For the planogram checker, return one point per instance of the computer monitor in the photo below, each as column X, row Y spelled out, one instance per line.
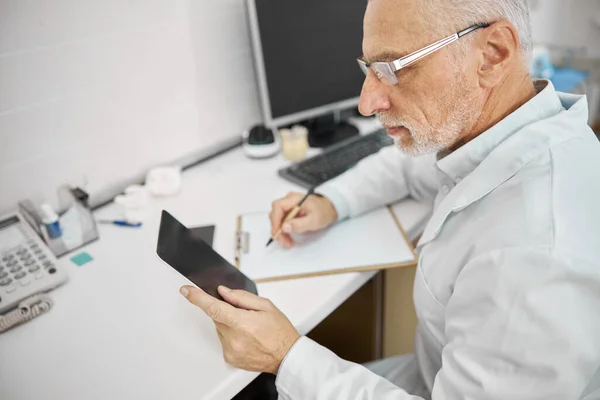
column 305, row 54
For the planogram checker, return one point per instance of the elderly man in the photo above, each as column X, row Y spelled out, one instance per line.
column 507, row 290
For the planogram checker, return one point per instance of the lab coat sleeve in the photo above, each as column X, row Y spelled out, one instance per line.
column 380, row 179
column 520, row 324
column 310, row 371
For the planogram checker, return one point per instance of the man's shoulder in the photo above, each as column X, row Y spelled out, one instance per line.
column 560, row 189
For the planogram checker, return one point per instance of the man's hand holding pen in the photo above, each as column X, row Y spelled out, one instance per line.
column 315, row 213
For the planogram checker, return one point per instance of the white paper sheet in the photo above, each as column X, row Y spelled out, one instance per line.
column 372, row 239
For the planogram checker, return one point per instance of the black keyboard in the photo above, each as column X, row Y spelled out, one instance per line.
column 335, row 160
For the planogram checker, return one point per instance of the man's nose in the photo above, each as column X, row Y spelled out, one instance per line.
column 374, row 96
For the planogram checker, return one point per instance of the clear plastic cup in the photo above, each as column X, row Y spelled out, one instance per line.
column 294, row 142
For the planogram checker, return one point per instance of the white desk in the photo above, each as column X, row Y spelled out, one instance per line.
column 121, row 330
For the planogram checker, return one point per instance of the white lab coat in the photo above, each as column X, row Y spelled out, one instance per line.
column 507, row 289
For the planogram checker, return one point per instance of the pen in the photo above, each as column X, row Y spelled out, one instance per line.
column 291, row 215
column 120, row 223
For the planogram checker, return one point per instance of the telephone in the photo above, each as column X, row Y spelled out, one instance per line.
column 27, row 266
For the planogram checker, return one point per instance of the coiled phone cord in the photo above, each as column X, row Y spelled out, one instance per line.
column 27, row 310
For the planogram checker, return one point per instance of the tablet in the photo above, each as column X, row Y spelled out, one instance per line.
column 196, row 260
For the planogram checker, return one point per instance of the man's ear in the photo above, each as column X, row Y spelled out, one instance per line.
column 499, row 46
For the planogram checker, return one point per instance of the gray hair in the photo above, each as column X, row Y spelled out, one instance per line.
column 460, row 14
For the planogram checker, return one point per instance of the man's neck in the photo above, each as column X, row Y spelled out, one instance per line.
column 502, row 101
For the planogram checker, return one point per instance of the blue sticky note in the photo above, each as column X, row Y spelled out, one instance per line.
column 81, row 259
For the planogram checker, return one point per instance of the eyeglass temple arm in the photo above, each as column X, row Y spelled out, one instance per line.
column 417, row 55
column 472, row 28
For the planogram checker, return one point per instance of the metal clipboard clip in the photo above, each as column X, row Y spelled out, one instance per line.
column 242, row 245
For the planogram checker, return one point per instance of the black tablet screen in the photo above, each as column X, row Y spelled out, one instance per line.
column 196, row 260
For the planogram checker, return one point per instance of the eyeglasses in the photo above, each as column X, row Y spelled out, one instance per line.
column 386, row 71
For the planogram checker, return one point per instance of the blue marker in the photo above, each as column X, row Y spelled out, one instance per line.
column 120, row 223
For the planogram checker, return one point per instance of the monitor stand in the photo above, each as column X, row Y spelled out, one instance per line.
column 325, row 131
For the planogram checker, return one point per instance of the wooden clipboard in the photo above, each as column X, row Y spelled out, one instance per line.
column 242, row 246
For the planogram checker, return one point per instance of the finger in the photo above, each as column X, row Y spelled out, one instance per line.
column 244, row 299
column 300, row 225
column 284, row 237
column 217, row 310
column 280, row 208
column 286, row 241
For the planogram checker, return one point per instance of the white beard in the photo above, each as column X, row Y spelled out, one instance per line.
column 435, row 138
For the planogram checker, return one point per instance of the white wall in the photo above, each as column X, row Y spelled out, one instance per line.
column 97, row 91
column 567, row 23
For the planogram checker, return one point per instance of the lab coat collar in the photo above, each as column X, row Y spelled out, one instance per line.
column 464, row 160
column 496, row 155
